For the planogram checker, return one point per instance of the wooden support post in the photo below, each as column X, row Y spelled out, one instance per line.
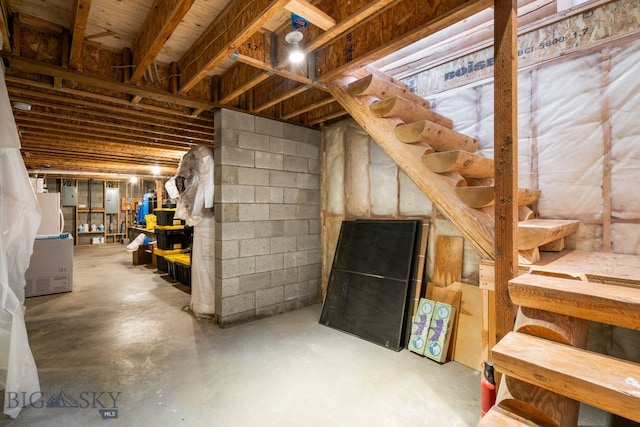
column 506, row 161
column 126, row 62
column 159, row 193
column 174, row 83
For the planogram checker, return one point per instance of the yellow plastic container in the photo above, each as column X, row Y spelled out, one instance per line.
column 151, row 221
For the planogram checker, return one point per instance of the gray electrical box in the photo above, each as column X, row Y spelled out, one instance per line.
column 68, row 195
column 111, row 206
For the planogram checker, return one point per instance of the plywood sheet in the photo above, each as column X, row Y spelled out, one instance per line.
column 448, row 260
column 467, row 333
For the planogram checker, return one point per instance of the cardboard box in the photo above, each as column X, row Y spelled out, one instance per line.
column 420, row 326
column 440, row 332
column 143, row 255
column 50, row 268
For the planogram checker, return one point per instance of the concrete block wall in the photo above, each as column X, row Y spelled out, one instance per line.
column 267, row 207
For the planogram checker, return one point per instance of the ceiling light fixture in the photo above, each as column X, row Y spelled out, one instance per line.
column 296, row 54
column 155, row 170
column 22, row 106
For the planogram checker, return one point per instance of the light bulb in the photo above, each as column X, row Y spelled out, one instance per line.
column 296, row 55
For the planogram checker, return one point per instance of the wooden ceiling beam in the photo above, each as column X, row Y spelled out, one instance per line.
column 84, row 154
column 411, row 21
column 297, row 75
column 38, row 162
column 80, row 19
column 278, row 99
column 79, row 111
column 33, row 66
column 163, row 18
column 239, row 79
column 4, row 26
column 311, row 13
column 31, row 142
column 26, row 126
column 274, row 91
column 112, row 125
column 161, row 114
column 235, row 24
column 304, row 102
column 344, row 25
column 328, row 111
column 313, row 40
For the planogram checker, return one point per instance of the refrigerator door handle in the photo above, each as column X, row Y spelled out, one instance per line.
column 61, row 221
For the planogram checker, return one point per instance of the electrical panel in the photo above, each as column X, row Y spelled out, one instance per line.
column 113, row 194
column 68, row 195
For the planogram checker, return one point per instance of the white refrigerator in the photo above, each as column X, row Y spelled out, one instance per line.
column 51, row 266
column 52, row 221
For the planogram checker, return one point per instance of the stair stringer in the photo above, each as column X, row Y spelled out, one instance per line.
column 476, row 225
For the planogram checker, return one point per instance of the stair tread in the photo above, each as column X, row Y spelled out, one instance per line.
column 441, row 138
column 501, row 417
column 467, row 164
column 602, row 381
column 605, row 303
column 482, row 196
column 537, row 232
column 408, row 110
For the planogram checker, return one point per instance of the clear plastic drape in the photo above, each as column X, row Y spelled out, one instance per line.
column 19, row 220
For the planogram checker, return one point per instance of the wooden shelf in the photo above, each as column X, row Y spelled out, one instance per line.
column 89, row 210
column 91, row 232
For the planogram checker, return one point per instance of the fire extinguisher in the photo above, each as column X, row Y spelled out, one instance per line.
column 487, row 389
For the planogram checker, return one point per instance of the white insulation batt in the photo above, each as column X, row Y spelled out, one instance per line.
column 357, row 171
column 578, row 118
column 564, row 111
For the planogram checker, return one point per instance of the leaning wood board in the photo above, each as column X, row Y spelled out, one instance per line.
column 467, row 335
column 420, row 262
column 447, row 267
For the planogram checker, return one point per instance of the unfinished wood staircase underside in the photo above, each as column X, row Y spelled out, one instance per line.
column 443, row 163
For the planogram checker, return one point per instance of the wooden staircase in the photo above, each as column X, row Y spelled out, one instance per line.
column 443, row 163
column 546, row 370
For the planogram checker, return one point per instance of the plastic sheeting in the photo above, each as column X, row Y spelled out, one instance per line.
column 19, row 220
column 194, row 182
column 203, row 269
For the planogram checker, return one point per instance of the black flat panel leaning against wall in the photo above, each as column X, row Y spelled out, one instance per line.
column 370, row 281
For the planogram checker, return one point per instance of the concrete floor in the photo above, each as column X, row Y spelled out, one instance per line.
column 124, row 329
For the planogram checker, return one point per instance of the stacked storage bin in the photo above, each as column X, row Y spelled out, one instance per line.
column 174, row 240
column 179, row 267
column 162, row 254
